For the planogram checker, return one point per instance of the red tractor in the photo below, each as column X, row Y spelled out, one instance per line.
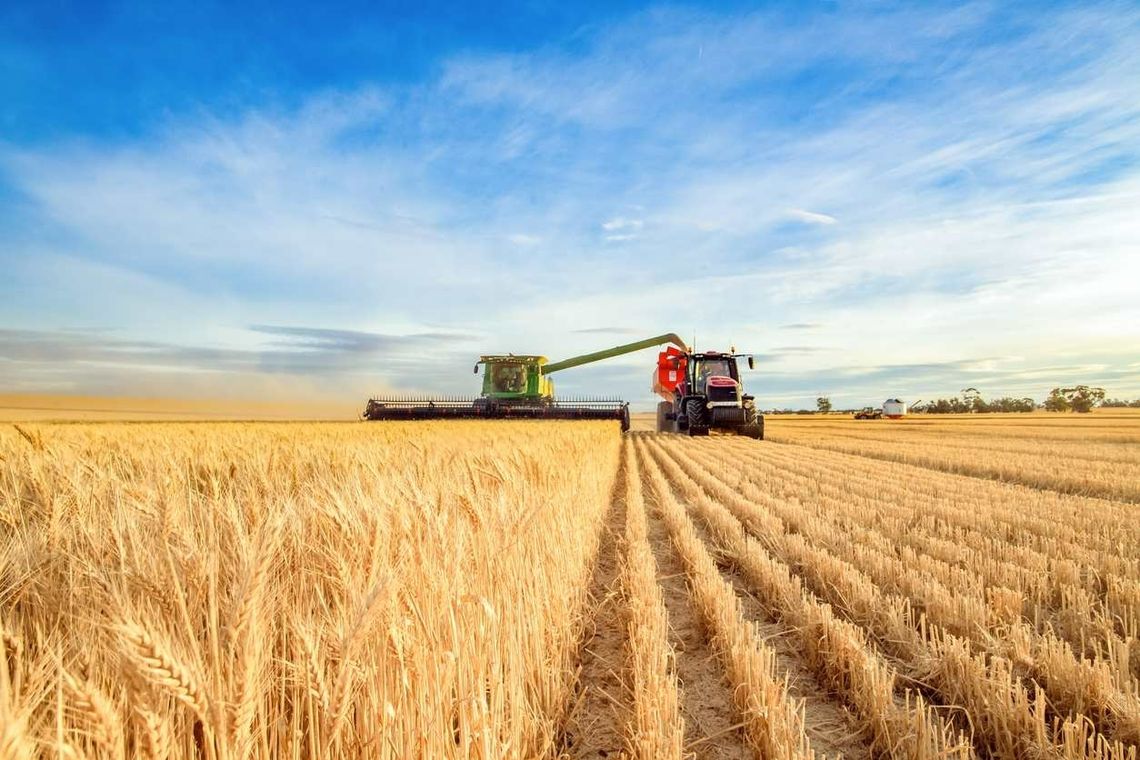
column 703, row 392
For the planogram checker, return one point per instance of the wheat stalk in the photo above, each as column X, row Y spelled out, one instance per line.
column 247, row 644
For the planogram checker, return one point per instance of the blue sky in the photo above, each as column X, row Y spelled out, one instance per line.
column 299, row 201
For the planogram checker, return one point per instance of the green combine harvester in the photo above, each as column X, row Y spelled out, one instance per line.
column 518, row 386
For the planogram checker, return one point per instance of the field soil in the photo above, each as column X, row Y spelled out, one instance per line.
column 600, row 709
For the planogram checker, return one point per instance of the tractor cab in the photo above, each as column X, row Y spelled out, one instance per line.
column 715, row 376
column 713, row 364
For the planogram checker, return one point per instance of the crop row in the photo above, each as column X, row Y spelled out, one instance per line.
column 1010, row 716
column 1077, row 591
column 1107, row 470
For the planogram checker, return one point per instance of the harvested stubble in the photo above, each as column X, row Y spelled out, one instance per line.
column 657, row 731
column 773, row 722
column 1010, row 716
column 1046, row 540
column 837, row 650
column 235, row 591
column 1092, row 455
column 1043, row 559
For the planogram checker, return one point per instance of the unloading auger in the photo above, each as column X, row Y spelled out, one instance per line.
column 519, row 386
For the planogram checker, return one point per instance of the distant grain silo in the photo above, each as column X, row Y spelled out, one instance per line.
column 894, row 408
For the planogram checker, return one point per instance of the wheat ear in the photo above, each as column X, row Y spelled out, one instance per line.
column 157, row 665
column 157, row 733
column 87, row 699
column 247, row 644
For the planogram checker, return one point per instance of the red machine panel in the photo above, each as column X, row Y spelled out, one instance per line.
column 671, row 364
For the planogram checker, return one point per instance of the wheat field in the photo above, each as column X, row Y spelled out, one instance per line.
column 559, row 590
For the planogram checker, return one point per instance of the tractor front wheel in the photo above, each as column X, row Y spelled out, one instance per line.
column 698, row 416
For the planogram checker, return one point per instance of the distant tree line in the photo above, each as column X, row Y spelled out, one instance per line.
column 1120, row 403
column 977, row 405
column 1078, row 398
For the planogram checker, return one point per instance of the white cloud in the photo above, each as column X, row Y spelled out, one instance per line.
column 811, row 217
column 519, row 238
column 621, row 223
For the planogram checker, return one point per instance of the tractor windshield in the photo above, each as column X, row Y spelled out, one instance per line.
column 508, row 378
column 707, row 368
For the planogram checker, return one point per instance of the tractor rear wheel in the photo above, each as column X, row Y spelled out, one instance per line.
column 698, row 416
column 754, row 429
column 664, row 424
column 753, row 426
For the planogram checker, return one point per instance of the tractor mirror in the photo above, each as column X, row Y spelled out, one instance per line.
column 476, row 370
column 751, row 363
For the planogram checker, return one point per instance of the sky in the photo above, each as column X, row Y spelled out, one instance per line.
column 334, row 200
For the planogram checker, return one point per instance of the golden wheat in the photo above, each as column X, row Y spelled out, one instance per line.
column 347, row 590
column 298, row 590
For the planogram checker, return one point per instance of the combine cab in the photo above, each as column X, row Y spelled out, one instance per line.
column 518, row 387
column 703, row 392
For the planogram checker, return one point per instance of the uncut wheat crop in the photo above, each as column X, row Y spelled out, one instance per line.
column 526, row 589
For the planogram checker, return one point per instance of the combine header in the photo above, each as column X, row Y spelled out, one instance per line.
column 518, row 387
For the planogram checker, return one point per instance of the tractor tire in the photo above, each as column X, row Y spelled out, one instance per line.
column 754, row 430
column 697, row 415
column 664, row 424
column 753, row 426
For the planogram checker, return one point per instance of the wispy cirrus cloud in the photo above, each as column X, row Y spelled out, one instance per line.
column 811, row 217
column 351, row 341
column 42, row 359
